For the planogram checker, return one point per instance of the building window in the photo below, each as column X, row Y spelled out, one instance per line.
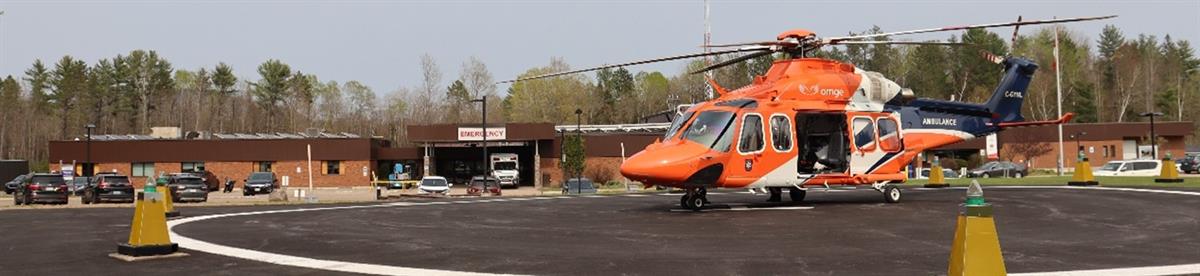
column 191, row 167
column 332, row 167
column 264, row 166
column 143, row 169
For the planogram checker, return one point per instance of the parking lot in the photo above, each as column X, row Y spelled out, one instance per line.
column 843, row 233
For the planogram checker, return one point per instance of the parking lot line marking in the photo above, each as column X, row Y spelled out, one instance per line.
column 375, row 269
column 636, row 195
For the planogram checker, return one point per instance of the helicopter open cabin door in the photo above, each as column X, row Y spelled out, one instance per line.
column 822, row 144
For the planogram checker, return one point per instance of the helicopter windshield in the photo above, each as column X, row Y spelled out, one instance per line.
column 711, row 129
column 679, row 121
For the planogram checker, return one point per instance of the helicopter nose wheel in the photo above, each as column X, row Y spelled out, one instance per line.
column 694, row 199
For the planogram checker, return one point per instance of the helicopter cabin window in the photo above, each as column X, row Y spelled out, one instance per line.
column 751, row 140
column 711, row 129
column 678, row 123
column 781, row 133
column 864, row 134
column 889, row 135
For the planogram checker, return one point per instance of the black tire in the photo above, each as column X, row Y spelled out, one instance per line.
column 891, row 194
column 86, row 198
column 28, row 199
column 684, row 201
column 696, row 202
column 797, row 195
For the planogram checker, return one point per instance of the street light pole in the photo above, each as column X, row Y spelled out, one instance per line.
column 89, row 169
column 1153, row 136
column 487, row 167
column 579, row 137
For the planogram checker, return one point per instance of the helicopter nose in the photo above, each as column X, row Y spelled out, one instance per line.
column 664, row 164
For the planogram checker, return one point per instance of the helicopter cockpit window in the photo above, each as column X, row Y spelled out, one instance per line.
column 752, row 134
column 864, row 134
column 781, row 133
column 679, row 121
column 889, row 135
column 709, row 128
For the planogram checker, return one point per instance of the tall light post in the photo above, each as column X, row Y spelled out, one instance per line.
column 579, row 137
column 487, row 168
column 88, row 168
column 1153, row 136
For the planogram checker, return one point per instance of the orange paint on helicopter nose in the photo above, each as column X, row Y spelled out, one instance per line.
column 669, row 162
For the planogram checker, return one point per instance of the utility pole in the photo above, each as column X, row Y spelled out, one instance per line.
column 708, row 60
column 1058, row 93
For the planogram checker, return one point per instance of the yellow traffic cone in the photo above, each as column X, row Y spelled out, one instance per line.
column 1169, row 173
column 937, row 179
column 148, row 236
column 976, row 249
column 168, row 203
column 1083, row 174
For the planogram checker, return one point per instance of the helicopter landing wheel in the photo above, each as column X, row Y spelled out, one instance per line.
column 891, row 194
column 694, row 200
column 797, row 194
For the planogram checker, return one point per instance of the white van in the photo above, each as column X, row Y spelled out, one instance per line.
column 1131, row 168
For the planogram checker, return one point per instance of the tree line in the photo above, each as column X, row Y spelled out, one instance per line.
column 129, row 93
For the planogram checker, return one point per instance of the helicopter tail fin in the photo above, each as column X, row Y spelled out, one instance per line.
column 1010, row 94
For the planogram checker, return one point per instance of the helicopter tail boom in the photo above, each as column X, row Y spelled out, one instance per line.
column 1006, row 100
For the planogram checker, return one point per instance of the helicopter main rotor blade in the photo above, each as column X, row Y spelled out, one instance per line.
column 902, row 43
column 734, row 61
column 837, row 40
column 759, row 43
column 687, row 56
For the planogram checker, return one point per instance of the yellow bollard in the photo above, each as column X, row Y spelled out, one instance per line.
column 1169, row 173
column 148, row 236
column 168, row 203
column 1083, row 174
column 937, row 179
column 976, row 249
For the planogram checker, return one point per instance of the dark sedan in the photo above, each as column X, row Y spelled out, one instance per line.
column 259, row 183
column 999, row 169
column 1190, row 163
column 188, row 188
column 11, row 186
column 108, row 187
column 479, row 185
column 42, row 187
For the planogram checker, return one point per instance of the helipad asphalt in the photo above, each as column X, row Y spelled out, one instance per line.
column 831, row 233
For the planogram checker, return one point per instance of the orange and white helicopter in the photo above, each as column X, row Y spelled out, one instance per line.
column 811, row 122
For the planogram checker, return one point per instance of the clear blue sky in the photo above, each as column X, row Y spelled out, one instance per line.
column 379, row 42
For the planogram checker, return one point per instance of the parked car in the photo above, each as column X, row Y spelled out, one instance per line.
column 480, row 184
column 999, row 169
column 259, row 183
column 108, row 187
column 948, row 173
column 42, row 187
column 1189, row 163
column 434, row 185
column 11, row 186
column 187, row 187
column 79, row 184
column 1130, row 168
column 578, row 186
